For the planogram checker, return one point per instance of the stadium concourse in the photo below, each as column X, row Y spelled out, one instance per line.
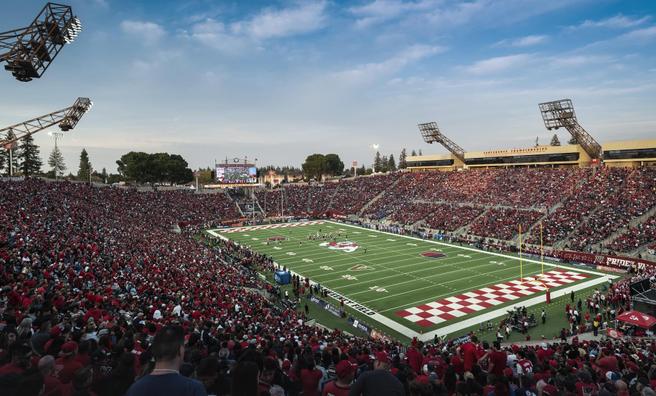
column 91, row 274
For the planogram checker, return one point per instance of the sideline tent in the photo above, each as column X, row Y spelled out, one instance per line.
column 637, row 319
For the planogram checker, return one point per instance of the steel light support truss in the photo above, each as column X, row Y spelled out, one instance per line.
column 431, row 134
column 29, row 51
column 66, row 118
column 560, row 114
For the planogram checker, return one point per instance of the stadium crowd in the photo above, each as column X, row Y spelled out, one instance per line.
column 100, row 290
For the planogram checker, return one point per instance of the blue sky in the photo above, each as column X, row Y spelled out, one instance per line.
column 281, row 80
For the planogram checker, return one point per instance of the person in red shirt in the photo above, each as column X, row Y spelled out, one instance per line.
column 20, row 360
column 498, row 360
column 52, row 386
column 67, row 364
column 342, row 385
column 544, row 353
column 310, row 376
column 607, row 361
column 524, row 366
column 468, row 351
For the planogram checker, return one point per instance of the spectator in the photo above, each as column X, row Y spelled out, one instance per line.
column 379, row 381
column 340, row 386
column 165, row 378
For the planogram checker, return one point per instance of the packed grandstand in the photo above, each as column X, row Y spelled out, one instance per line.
column 92, row 273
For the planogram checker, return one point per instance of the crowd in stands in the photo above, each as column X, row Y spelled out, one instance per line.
column 504, row 223
column 450, row 217
column 635, row 237
column 632, row 198
column 100, row 296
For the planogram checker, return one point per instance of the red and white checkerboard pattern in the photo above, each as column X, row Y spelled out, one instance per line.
column 269, row 226
column 477, row 300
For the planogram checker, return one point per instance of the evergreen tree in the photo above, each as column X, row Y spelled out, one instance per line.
column 377, row 162
column 420, row 152
column 85, row 169
column 391, row 164
column 413, row 153
column 402, row 159
column 383, row 164
column 573, row 141
column 28, row 156
column 555, row 141
column 56, row 162
column 104, row 175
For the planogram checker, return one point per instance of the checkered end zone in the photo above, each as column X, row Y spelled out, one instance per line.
column 477, row 300
column 270, row 226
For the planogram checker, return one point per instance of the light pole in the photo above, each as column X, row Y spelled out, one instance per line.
column 57, row 136
column 253, row 190
column 375, row 147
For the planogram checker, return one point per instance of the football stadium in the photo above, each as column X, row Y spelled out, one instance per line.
column 204, row 245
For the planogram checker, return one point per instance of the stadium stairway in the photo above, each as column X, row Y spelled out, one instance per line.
column 377, row 197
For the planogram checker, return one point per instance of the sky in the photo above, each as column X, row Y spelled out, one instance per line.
column 280, row 80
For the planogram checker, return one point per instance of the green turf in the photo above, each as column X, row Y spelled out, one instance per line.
column 391, row 275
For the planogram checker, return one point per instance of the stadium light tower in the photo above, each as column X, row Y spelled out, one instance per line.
column 66, row 118
column 560, row 114
column 30, row 50
column 431, row 134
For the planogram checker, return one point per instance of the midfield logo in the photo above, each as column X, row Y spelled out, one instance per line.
column 346, row 246
column 360, row 267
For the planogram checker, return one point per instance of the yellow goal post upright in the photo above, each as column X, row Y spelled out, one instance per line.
column 537, row 277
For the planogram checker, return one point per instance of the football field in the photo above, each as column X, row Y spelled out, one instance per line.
column 416, row 287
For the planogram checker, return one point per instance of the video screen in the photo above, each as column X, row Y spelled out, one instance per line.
column 236, row 174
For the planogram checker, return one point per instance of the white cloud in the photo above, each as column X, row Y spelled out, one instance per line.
column 214, row 34
column 372, row 71
column 499, row 64
column 579, row 60
column 272, row 23
column 525, row 41
column 618, row 21
column 640, row 34
column 268, row 24
column 149, row 32
column 383, row 10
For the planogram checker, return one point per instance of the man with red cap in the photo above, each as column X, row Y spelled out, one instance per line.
column 67, row 364
column 342, row 385
column 379, row 381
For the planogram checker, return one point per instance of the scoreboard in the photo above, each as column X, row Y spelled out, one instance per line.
column 236, row 173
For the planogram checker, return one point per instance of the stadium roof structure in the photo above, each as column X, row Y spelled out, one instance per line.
column 30, row 50
column 66, row 118
column 432, row 134
column 560, row 114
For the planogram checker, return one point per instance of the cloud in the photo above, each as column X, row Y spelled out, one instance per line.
column 214, row 34
column 149, row 32
column 372, row 71
column 272, row 23
column 525, row 41
column 640, row 34
column 268, row 24
column 618, row 21
column 383, row 10
column 499, row 64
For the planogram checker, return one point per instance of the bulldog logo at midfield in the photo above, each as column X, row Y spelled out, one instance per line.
column 345, row 246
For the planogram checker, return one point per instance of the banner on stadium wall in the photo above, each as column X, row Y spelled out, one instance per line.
column 327, row 306
column 359, row 325
column 606, row 260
